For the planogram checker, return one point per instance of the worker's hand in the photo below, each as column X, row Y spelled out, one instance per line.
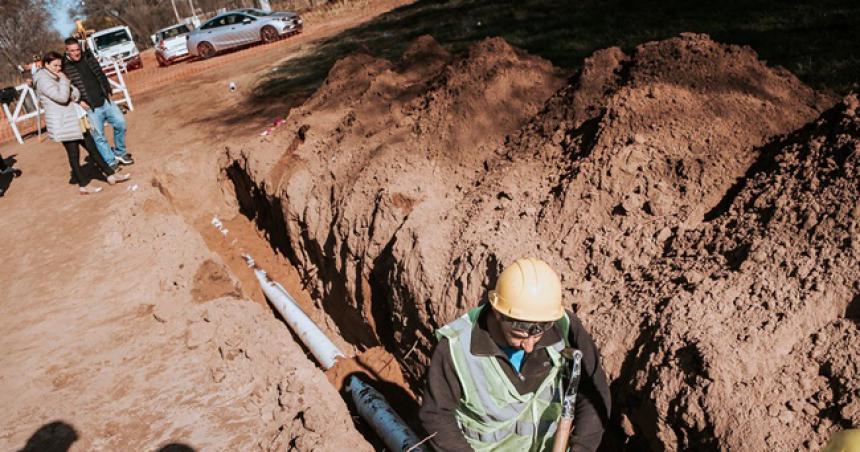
column 85, row 105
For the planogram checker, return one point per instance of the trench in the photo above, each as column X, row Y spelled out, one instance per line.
column 378, row 340
column 366, row 334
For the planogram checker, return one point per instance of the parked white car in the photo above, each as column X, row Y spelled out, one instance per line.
column 115, row 44
column 241, row 27
column 170, row 43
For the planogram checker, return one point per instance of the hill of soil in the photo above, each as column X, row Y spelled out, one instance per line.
column 403, row 187
column 751, row 337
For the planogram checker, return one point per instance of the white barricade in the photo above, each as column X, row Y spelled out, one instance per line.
column 18, row 114
column 119, row 86
column 25, row 91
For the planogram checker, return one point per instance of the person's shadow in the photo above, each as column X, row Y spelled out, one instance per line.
column 56, row 436
column 59, row 436
column 7, row 175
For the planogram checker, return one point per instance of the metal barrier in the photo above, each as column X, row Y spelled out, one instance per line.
column 25, row 91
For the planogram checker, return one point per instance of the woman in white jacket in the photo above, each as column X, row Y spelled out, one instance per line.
column 58, row 97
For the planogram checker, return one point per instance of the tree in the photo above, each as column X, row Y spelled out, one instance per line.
column 143, row 17
column 25, row 30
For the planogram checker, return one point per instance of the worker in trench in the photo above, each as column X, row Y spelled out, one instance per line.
column 495, row 375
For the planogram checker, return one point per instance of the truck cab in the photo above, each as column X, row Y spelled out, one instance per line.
column 115, row 44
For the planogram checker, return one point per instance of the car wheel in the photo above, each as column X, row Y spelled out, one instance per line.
column 205, row 50
column 161, row 61
column 269, row 34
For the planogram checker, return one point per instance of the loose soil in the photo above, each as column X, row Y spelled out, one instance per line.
column 700, row 206
column 129, row 321
column 405, row 188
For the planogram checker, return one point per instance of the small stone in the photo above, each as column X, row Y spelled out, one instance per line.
column 218, row 374
column 787, row 417
column 664, row 234
column 693, row 276
column 166, row 311
column 851, row 410
column 197, row 334
column 759, row 256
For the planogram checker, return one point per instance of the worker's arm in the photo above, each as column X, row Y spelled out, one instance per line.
column 593, row 400
column 441, row 398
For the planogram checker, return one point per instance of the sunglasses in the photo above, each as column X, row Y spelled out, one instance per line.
column 530, row 328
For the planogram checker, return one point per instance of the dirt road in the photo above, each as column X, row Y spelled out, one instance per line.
column 126, row 320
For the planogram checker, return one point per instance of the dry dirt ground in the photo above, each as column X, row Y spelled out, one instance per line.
column 700, row 205
column 128, row 321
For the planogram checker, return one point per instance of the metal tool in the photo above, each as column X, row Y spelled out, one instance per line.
column 570, row 373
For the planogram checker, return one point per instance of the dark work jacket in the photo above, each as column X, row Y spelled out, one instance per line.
column 442, row 391
column 71, row 71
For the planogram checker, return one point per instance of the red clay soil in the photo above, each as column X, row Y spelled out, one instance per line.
column 405, row 187
column 751, row 333
column 124, row 316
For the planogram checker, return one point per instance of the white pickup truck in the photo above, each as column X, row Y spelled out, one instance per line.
column 115, row 44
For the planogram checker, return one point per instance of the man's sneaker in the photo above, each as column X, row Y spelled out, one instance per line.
column 125, row 159
column 116, row 178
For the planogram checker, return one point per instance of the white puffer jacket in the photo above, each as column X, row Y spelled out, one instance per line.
column 58, row 96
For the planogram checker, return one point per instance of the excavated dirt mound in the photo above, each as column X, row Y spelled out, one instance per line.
column 381, row 143
column 404, row 187
column 747, row 344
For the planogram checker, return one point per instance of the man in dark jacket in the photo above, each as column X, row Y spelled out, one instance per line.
column 493, row 382
column 86, row 74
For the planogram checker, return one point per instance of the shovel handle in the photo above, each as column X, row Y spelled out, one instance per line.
column 562, row 434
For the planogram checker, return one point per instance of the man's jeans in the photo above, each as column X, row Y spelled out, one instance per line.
column 108, row 112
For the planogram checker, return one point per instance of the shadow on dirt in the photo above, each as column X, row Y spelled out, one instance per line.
column 59, row 436
column 815, row 40
column 56, row 436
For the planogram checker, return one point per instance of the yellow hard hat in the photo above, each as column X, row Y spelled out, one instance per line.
column 528, row 290
column 844, row 441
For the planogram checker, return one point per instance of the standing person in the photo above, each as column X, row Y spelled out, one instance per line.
column 35, row 65
column 57, row 96
column 87, row 76
column 493, row 381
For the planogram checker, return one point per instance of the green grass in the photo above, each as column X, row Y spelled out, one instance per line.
column 816, row 40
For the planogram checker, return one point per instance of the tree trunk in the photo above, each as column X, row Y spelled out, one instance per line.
column 175, row 11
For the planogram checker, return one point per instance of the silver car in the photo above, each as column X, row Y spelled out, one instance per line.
column 170, row 43
column 241, row 27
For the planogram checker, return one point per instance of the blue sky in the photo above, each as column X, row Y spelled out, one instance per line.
column 61, row 17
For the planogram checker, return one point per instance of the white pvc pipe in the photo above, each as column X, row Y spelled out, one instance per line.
column 373, row 407
column 319, row 344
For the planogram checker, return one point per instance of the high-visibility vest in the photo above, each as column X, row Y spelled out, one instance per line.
column 492, row 415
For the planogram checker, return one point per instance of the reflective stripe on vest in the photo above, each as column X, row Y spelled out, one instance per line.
column 491, row 410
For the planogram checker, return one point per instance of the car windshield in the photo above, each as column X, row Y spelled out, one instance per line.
column 256, row 12
column 111, row 39
column 174, row 32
